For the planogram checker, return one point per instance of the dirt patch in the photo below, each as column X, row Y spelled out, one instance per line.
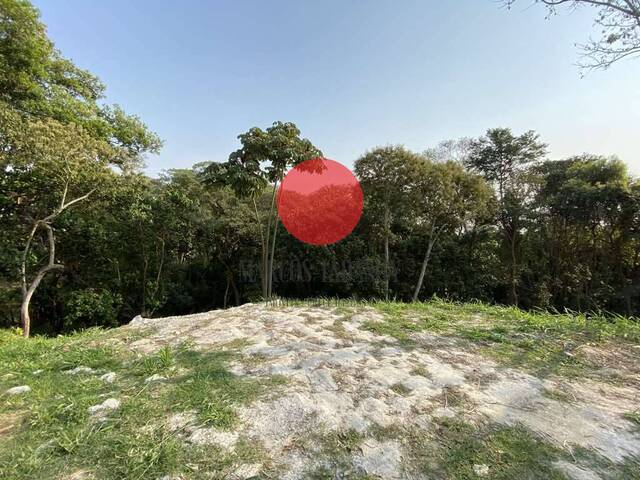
column 9, row 422
column 614, row 361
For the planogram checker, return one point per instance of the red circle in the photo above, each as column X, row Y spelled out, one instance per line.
column 320, row 201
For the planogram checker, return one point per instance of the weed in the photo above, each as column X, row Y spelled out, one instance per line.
column 400, row 389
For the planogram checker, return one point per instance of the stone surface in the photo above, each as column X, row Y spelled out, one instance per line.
column 105, row 407
column 481, row 470
column 155, row 378
column 19, row 390
column 79, row 370
column 348, row 378
column 109, row 377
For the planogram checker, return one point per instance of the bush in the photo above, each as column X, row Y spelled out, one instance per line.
column 88, row 308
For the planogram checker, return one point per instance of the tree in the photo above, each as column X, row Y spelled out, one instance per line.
column 589, row 214
column 451, row 150
column 619, row 21
column 262, row 162
column 446, row 198
column 501, row 157
column 36, row 80
column 57, row 140
column 387, row 176
column 49, row 167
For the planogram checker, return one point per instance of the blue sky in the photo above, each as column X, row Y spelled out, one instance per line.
column 352, row 74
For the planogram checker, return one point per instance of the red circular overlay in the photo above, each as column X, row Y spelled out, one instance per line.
column 320, row 201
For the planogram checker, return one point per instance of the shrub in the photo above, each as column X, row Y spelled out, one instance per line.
column 89, row 307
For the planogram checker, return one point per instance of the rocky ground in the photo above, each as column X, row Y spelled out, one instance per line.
column 396, row 391
column 342, row 377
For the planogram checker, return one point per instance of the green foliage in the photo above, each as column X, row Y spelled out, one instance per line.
column 634, row 417
column 279, row 146
column 479, row 219
column 35, row 79
column 86, row 308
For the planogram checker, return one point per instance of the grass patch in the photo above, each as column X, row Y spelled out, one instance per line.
column 400, row 389
column 629, row 469
column 338, row 329
column 456, row 447
column 540, row 342
column 557, row 395
column 49, row 432
column 334, row 453
column 422, row 371
column 453, row 397
column 633, row 417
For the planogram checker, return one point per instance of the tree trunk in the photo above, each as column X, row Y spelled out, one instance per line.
column 425, row 262
column 25, row 320
column 514, row 270
column 273, row 254
column 236, row 293
column 226, row 293
column 264, row 250
column 387, row 229
column 271, row 242
column 27, row 292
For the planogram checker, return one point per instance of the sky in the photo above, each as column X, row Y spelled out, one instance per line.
column 352, row 74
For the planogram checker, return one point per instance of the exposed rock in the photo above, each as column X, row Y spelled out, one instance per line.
column 108, row 377
column 335, row 385
column 381, row 459
column 78, row 475
column 103, row 408
column 211, row 436
column 180, row 421
column 156, row 377
column 481, row 470
column 79, row 370
column 19, row 390
column 575, row 472
column 246, row 471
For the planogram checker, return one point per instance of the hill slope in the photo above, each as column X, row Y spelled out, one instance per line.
column 388, row 391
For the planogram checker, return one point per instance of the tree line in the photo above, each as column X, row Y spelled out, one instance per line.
column 86, row 238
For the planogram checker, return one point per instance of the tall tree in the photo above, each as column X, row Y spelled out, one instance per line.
column 501, row 158
column 589, row 209
column 261, row 163
column 36, row 80
column 49, row 168
column 57, row 138
column 619, row 23
column 387, row 176
column 446, row 197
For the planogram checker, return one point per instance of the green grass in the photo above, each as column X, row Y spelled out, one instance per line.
column 454, row 447
column 634, row 417
column 334, row 455
column 48, row 432
column 508, row 452
column 629, row 469
column 540, row 342
column 400, row 389
column 338, row 329
column 557, row 395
